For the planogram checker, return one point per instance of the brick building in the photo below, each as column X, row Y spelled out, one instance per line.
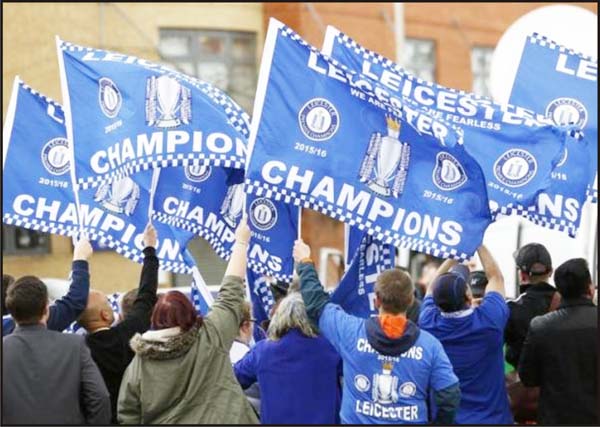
column 450, row 43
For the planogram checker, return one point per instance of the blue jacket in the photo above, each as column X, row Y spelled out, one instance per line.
column 298, row 377
column 67, row 309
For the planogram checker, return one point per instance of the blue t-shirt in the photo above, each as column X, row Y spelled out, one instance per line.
column 473, row 340
column 381, row 389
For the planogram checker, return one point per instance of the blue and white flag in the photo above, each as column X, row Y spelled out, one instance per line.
column 516, row 148
column 356, row 291
column 200, row 199
column 200, row 295
column 402, row 176
column 38, row 195
column 262, row 300
column 125, row 114
column 274, row 229
column 563, row 85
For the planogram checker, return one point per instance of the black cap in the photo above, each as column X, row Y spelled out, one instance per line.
column 449, row 291
column 533, row 259
column 478, row 281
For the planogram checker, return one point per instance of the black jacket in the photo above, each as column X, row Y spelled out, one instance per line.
column 535, row 301
column 560, row 355
column 110, row 347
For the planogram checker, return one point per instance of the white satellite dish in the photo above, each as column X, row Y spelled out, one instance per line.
column 571, row 26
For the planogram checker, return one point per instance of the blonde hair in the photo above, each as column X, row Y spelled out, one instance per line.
column 290, row 314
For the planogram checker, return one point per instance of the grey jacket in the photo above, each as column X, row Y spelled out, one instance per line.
column 50, row 378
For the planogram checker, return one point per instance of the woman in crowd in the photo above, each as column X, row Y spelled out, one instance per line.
column 181, row 373
column 297, row 370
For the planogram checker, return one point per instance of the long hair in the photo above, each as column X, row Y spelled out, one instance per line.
column 290, row 314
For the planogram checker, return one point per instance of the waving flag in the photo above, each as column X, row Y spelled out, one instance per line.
column 262, row 300
column 516, row 148
column 200, row 295
column 355, row 292
column 39, row 195
column 563, row 85
column 126, row 114
column 402, row 176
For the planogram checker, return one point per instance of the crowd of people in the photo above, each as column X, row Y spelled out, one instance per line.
column 447, row 348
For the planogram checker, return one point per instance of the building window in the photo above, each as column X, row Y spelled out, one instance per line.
column 226, row 59
column 481, row 65
column 21, row 241
column 419, row 58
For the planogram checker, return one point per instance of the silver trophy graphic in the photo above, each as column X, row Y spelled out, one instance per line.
column 231, row 209
column 120, row 196
column 168, row 103
column 385, row 165
column 385, row 386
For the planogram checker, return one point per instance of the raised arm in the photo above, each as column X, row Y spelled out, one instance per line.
column 138, row 319
column 492, row 271
column 67, row 309
column 226, row 311
column 314, row 296
column 446, row 265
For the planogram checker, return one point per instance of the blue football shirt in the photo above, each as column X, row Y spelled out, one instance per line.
column 473, row 340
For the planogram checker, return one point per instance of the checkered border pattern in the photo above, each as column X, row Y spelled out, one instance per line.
column 214, row 241
column 260, row 268
column 385, row 236
column 530, row 214
column 592, row 194
column 113, row 299
column 540, row 40
column 196, row 298
column 237, row 117
column 40, row 225
column 263, row 292
column 70, row 230
column 162, row 161
column 39, row 95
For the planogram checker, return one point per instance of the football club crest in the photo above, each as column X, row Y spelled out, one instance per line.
column 515, row 168
column 197, row 173
column 109, row 97
column 55, row 156
column 408, row 389
column 565, row 111
column 385, row 385
column 361, row 383
column 231, row 209
column 120, row 196
column 263, row 214
column 385, row 166
column 448, row 173
column 168, row 103
column 564, row 158
column 318, row 119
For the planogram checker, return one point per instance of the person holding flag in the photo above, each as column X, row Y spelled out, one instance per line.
column 391, row 367
column 108, row 344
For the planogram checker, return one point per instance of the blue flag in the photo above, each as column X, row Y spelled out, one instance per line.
column 400, row 175
column 39, row 194
column 516, row 148
column 355, row 292
column 262, row 301
column 274, row 228
column 126, row 114
column 199, row 199
column 200, row 295
column 564, row 86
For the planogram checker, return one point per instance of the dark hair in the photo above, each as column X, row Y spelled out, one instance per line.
column 246, row 313
column 7, row 280
column 26, row 300
column 174, row 309
column 573, row 278
column 127, row 301
column 395, row 291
